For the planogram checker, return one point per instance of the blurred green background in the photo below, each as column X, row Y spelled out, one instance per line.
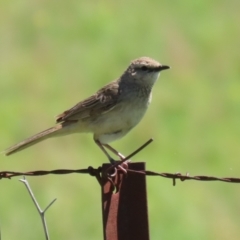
column 55, row 53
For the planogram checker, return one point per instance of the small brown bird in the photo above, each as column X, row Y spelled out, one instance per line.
column 110, row 113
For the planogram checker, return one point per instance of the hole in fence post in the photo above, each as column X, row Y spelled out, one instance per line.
column 124, row 208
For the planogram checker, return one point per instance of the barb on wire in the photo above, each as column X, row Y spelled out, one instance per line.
column 123, row 162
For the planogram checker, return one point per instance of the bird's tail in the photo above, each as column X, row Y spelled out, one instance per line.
column 50, row 132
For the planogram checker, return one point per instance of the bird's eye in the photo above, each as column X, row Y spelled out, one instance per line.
column 144, row 68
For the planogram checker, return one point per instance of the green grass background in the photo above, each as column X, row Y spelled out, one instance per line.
column 55, row 53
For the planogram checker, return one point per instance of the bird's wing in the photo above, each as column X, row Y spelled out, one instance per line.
column 101, row 102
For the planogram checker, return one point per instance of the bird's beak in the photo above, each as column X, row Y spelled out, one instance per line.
column 163, row 67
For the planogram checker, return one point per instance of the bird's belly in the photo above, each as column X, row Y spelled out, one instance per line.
column 110, row 137
column 118, row 122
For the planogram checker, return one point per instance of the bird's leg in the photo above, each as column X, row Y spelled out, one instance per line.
column 122, row 157
column 111, row 160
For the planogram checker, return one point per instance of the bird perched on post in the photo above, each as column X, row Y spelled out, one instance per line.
column 110, row 113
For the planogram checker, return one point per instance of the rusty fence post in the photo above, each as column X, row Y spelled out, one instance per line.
column 124, row 210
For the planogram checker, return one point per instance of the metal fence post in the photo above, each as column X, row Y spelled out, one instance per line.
column 124, row 209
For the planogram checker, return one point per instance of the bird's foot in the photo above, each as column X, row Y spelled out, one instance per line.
column 120, row 165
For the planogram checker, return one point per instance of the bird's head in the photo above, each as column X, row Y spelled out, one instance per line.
column 145, row 70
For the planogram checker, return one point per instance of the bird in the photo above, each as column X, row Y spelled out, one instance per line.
column 110, row 113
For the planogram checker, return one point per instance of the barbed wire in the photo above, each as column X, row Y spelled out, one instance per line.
column 113, row 169
column 97, row 172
